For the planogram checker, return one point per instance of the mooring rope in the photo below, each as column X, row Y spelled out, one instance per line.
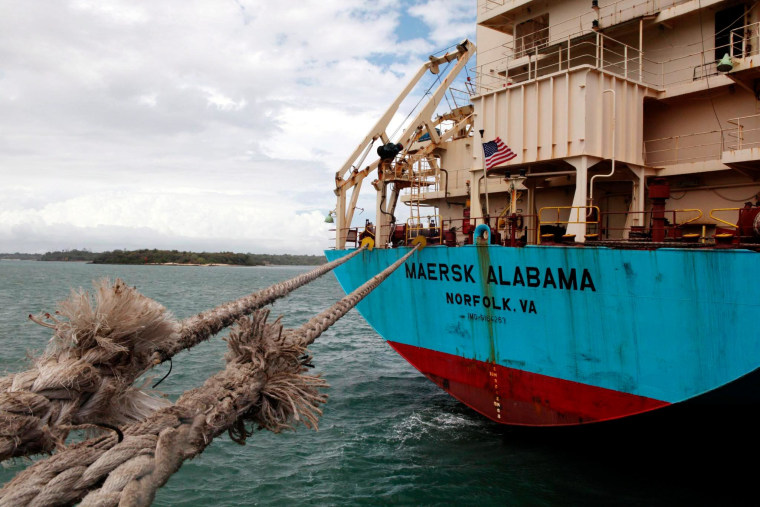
column 202, row 326
column 86, row 374
column 263, row 384
column 316, row 325
column 130, row 471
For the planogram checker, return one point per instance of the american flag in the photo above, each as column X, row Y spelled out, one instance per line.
column 497, row 153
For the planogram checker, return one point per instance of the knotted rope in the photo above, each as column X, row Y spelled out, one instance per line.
column 97, row 352
column 263, row 384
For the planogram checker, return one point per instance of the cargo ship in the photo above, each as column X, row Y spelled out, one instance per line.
column 585, row 213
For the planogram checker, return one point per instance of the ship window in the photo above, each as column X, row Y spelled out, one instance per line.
column 531, row 34
column 726, row 21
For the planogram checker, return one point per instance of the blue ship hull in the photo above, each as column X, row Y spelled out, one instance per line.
column 552, row 335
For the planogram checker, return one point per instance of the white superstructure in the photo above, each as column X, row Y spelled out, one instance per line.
column 594, row 98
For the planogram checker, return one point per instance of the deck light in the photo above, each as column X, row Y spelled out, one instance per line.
column 725, row 64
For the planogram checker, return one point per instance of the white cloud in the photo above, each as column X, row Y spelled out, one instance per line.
column 446, row 18
column 181, row 123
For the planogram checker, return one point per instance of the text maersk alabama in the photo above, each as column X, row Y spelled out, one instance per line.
column 528, row 276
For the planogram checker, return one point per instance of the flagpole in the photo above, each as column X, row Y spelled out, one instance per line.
column 485, row 178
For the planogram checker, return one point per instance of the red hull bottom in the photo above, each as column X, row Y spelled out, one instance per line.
column 512, row 396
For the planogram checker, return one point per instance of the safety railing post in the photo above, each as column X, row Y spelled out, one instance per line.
column 702, row 55
column 596, row 64
column 662, row 75
column 676, row 139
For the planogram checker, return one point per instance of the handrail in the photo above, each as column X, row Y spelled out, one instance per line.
column 485, row 6
column 564, row 53
column 697, row 149
column 684, row 135
column 745, row 137
column 734, row 121
column 571, row 48
column 699, row 211
column 590, row 211
column 501, row 219
column 415, row 228
column 748, row 31
column 577, row 208
column 735, row 226
column 611, row 13
column 352, row 234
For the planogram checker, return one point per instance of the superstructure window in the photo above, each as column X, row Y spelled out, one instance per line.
column 726, row 21
column 531, row 34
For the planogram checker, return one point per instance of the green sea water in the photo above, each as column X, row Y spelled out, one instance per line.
column 388, row 436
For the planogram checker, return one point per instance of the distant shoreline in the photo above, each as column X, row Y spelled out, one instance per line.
column 157, row 257
column 210, row 265
column 191, row 264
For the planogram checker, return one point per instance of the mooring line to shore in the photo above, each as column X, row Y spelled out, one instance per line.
column 85, row 376
column 263, row 384
column 200, row 327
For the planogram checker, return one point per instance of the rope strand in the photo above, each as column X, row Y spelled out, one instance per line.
column 97, row 352
column 264, row 384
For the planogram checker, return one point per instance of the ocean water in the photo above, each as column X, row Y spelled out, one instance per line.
column 389, row 436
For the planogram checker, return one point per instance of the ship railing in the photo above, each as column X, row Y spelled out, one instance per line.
column 744, row 134
column 514, row 230
column 694, row 147
column 722, row 221
column 541, row 53
column 458, row 231
column 542, row 57
column 614, row 225
column 428, row 179
column 607, row 15
column 742, row 230
column 550, row 41
column 352, row 235
column 429, row 227
column 402, row 170
column 700, row 63
column 550, row 217
column 502, row 221
column 488, row 5
column 614, row 13
column 705, row 70
column 743, row 41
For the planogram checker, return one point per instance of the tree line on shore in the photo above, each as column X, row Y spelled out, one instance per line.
column 156, row 256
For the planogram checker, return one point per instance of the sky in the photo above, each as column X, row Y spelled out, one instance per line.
column 205, row 125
